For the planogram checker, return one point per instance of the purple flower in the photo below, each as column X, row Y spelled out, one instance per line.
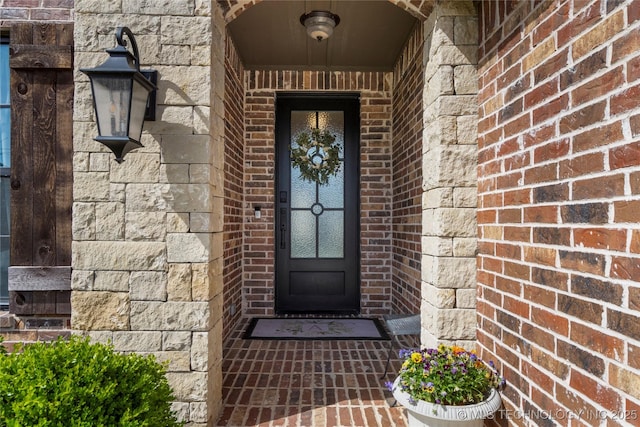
column 389, row 385
column 454, row 370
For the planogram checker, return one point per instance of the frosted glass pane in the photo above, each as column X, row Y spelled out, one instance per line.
column 331, row 235
column 303, row 234
column 331, row 194
column 301, row 121
column 333, row 121
column 303, row 193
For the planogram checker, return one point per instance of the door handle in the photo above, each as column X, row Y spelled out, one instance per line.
column 283, row 228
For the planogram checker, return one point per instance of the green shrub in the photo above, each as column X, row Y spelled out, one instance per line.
column 75, row 383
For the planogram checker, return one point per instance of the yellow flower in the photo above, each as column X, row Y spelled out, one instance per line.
column 416, row 357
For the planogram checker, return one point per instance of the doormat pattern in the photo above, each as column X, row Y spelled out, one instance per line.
column 292, row 328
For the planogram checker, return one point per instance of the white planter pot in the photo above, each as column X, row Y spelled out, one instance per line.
column 423, row 413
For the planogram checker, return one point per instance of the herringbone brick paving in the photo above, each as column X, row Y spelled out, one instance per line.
column 308, row 383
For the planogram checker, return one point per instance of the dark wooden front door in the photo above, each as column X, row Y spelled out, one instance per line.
column 317, row 226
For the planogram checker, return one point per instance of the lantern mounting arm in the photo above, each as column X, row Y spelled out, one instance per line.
column 123, row 43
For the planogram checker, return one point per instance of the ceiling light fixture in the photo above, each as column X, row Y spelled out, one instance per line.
column 319, row 24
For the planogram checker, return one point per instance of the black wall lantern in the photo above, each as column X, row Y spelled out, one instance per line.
column 123, row 97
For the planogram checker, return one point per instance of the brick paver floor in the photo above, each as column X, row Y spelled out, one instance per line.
column 308, row 383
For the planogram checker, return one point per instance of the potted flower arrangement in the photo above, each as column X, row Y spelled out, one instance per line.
column 446, row 386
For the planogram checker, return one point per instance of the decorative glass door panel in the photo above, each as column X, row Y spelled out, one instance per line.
column 317, row 205
column 317, row 209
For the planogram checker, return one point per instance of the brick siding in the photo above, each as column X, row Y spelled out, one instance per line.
column 407, row 176
column 233, row 186
column 375, row 181
column 558, row 207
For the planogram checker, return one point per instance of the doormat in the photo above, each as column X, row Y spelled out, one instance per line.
column 292, row 328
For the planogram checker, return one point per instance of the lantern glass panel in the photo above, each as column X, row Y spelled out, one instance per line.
column 138, row 106
column 112, row 103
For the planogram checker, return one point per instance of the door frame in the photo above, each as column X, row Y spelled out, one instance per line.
column 319, row 99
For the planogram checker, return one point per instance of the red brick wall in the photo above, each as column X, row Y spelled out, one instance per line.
column 233, row 187
column 407, row 176
column 559, row 207
column 375, row 182
column 35, row 10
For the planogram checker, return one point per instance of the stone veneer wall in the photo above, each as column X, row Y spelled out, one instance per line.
column 147, row 233
column 559, row 208
column 449, row 185
column 407, row 176
column 375, row 181
column 233, row 187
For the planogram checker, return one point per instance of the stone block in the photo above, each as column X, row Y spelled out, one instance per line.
column 181, row 409
column 465, row 246
column 467, row 129
column 118, row 256
column 449, row 272
column 138, row 341
column 100, row 310
column 439, row 297
column 175, row 55
column 179, row 282
column 201, row 119
column 174, row 173
column 148, row 285
column 200, row 351
column 466, row 298
column 117, row 192
column 457, row 105
column 437, row 246
column 191, row 31
column 91, row 186
column 176, row 340
column 188, row 247
column 466, row 80
column 114, row 281
column 170, row 316
column 110, row 221
column 457, row 222
column 171, row 121
column 84, row 221
column 97, row 6
column 200, row 173
column 82, row 280
column 437, row 198
column 465, row 30
column 138, row 167
column 99, row 162
column 200, row 222
column 198, row 412
column 159, row 7
column 81, row 162
column 184, row 85
column 177, row 361
column 177, row 222
column 186, row 149
column 141, row 226
column 465, row 197
column 188, row 386
column 200, row 284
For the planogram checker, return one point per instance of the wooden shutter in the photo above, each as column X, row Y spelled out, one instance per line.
column 41, row 62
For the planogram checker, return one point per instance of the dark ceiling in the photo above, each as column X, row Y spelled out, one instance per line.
column 370, row 36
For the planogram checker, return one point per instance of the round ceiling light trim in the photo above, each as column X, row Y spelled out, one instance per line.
column 319, row 23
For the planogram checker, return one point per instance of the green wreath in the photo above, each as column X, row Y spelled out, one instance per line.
column 317, row 156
